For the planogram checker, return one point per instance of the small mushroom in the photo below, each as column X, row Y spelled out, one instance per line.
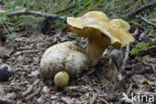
column 63, row 61
column 101, row 32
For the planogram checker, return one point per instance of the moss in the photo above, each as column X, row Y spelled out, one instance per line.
column 142, row 47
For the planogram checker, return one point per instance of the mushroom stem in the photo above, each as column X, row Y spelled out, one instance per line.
column 95, row 51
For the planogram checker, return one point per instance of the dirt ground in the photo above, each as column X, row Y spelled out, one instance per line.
column 112, row 81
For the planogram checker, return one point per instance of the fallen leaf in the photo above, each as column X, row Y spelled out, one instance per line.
column 6, row 51
column 140, row 79
column 117, row 57
column 67, row 100
column 110, row 71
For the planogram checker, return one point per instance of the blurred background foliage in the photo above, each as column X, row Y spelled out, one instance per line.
column 114, row 8
column 76, row 7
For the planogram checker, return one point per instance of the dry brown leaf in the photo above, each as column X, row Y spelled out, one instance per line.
column 140, row 79
column 6, row 51
column 67, row 100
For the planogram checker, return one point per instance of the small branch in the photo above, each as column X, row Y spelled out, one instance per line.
column 147, row 21
column 137, row 25
column 35, row 13
column 6, row 101
column 30, row 88
column 92, row 100
column 126, row 57
column 136, row 31
column 34, row 94
column 104, row 100
column 129, row 89
column 144, row 7
column 142, row 35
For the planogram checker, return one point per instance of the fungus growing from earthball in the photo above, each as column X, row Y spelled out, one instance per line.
column 101, row 32
column 63, row 61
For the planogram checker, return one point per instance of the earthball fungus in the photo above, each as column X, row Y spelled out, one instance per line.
column 101, row 32
column 63, row 61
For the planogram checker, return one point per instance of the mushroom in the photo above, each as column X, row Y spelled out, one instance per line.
column 101, row 32
column 63, row 61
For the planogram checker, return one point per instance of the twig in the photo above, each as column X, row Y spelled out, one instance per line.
column 10, row 88
column 104, row 100
column 143, row 34
column 147, row 21
column 33, row 94
column 127, row 76
column 6, row 101
column 153, row 68
column 30, row 88
column 144, row 7
column 67, row 100
column 20, row 83
column 24, row 48
column 92, row 100
column 137, row 25
column 126, row 57
column 147, row 93
column 136, row 31
column 129, row 89
column 28, row 51
column 35, row 13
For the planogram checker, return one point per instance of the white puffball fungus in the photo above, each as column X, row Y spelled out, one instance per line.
column 67, row 57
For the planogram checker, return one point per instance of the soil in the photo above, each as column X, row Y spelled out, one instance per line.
column 112, row 81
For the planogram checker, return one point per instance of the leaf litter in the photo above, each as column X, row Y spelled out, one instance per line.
column 105, row 82
column 112, row 80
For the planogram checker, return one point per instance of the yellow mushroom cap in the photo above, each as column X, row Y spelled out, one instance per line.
column 96, row 25
column 120, row 30
column 90, row 18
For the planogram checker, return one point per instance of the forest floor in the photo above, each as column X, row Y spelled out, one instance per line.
column 119, row 77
